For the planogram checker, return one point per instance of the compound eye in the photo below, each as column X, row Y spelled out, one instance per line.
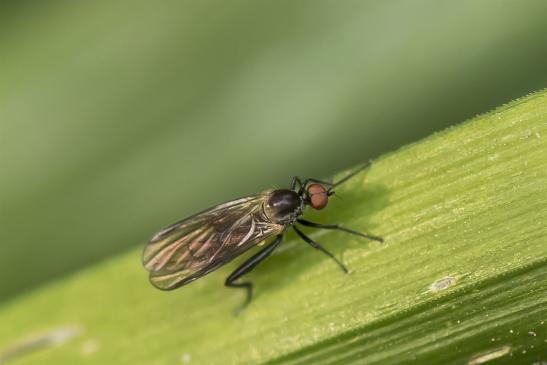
column 318, row 196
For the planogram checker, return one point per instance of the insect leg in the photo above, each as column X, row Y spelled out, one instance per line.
column 247, row 266
column 340, row 228
column 295, row 179
column 316, row 245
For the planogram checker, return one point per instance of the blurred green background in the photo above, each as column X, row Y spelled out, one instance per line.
column 119, row 117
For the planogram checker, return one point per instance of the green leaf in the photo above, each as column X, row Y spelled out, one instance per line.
column 461, row 278
column 114, row 114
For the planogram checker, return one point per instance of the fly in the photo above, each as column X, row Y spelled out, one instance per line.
column 200, row 244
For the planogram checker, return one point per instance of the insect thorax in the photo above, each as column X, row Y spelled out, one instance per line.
column 283, row 206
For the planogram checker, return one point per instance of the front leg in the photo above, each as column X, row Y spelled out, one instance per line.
column 246, row 267
column 294, row 181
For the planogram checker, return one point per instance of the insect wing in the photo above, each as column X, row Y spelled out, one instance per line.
column 193, row 247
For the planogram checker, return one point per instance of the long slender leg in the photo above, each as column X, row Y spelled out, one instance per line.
column 340, row 228
column 316, row 245
column 246, row 267
column 295, row 179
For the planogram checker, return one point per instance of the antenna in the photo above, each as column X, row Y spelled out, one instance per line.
column 347, row 177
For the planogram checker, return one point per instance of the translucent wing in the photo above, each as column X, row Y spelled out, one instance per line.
column 195, row 246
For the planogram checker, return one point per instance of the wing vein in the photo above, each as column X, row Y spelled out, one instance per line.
column 202, row 243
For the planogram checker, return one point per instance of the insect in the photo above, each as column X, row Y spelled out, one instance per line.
column 200, row 244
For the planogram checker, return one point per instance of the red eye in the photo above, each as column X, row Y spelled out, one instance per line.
column 318, row 196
